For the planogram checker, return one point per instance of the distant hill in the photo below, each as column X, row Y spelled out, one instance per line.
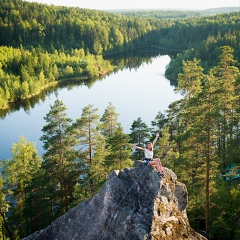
column 221, row 10
column 173, row 13
column 212, row 10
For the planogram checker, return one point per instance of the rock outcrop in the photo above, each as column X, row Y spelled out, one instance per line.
column 133, row 204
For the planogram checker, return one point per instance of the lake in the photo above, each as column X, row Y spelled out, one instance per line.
column 137, row 91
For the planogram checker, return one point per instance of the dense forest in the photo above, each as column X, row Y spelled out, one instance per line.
column 72, row 41
column 42, row 45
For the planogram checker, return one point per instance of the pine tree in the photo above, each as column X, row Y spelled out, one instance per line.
column 198, row 140
column 4, row 206
column 86, row 132
column 227, row 75
column 139, row 136
column 59, row 158
column 119, row 155
column 159, row 124
column 109, row 121
column 203, row 115
column 98, row 170
column 190, row 81
column 166, row 149
column 19, row 172
column 205, row 130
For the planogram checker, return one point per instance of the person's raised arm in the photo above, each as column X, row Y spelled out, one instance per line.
column 139, row 148
column 155, row 140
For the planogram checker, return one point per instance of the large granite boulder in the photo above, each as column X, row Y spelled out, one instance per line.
column 132, row 204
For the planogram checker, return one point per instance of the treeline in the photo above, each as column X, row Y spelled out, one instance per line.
column 175, row 14
column 191, row 32
column 160, row 14
column 100, row 32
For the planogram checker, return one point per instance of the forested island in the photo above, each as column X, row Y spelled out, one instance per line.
column 41, row 46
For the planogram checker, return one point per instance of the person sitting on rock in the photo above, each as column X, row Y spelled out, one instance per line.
column 149, row 160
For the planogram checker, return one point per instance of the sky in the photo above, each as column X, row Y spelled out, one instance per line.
column 143, row 4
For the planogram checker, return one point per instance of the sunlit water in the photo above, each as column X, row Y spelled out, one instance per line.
column 134, row 93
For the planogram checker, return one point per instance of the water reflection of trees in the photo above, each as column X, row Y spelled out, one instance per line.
column 126, row 60
column 132, row 59
column 135, row 58
column 27, row 104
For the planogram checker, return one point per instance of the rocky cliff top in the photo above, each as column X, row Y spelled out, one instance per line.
column 132, row 204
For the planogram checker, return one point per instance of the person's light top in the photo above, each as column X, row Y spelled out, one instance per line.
column 148, row 154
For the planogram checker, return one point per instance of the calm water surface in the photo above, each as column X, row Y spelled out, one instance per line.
column 141, row 92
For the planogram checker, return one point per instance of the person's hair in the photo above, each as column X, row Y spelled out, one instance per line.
column 151, row 144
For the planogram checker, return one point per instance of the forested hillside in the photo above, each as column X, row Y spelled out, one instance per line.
column 203, row 38
column 41, row 45
column 94, row 31
column 70, row 38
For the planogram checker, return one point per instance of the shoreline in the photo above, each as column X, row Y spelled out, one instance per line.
column 49, row 85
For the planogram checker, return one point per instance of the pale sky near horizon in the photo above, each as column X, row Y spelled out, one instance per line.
column 143, row 4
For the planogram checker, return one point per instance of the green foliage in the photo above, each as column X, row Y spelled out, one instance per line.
column 216, row 31
column 199, row 137
column 189, row 83
column 49, row 47
column 227, row 74
column 59, row 158
column 20, row 172
column 109, row 121
column 4, row 207
column 119, row 155
column 159, row 123
column 24, row 73
column 139, row 136
column 207, row 119
column 166, row 150
column 98, row 170
column 88, row 140
column 161, row 14
column 95, row 31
